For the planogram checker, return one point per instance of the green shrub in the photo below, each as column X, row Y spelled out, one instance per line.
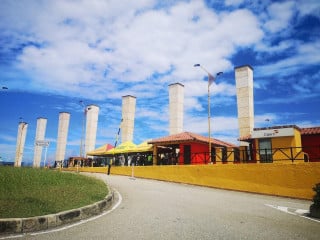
column 316, row 198
column 315, row 207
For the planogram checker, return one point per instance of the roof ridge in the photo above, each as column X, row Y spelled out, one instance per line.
column 190, row 136
column 310, row 130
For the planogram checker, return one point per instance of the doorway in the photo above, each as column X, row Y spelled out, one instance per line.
column 187, row 154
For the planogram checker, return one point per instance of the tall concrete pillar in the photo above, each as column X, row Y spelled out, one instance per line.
column 92, row 114
column 64, row 118
column 128, row 114
column 40, row 133
column 244, row 85
column 21, row 138
column 176, row 101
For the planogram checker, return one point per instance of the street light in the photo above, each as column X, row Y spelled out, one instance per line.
column 210, row 81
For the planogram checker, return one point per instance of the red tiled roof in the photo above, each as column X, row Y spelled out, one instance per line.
column 310, row 131
column 187, row 137
column 245, row 138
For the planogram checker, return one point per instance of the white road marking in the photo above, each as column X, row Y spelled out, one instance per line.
column 297, row 212
column 302, row 211
column 71, row 225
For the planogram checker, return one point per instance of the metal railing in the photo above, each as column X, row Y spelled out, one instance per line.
column 221, row 155
column 287, row 154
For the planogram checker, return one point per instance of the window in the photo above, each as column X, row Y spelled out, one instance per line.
column 265, row 150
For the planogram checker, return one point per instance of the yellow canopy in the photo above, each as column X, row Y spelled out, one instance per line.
column 102, row 150
column 142, row 147
column 122, row 148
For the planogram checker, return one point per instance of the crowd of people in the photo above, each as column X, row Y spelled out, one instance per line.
column 131, row 159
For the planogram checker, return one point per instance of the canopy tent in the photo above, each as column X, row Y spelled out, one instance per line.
column 125, row 147
column 142, row 147
column 101, row 150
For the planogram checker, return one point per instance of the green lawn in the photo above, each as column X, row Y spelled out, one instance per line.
column 28, row 192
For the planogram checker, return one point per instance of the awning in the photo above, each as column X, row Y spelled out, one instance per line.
column 125, row 147
column 142, row 147
column 101, row 150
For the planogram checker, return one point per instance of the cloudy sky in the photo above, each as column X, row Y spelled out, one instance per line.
column 54, row 54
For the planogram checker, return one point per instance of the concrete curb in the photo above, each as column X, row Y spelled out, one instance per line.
column 33, row 224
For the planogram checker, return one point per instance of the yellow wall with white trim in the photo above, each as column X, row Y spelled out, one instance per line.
column 282, row 143
column 282, row 179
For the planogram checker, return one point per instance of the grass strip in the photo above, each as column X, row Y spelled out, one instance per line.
column 29, row 192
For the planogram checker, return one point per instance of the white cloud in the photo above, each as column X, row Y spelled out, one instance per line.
column 241, row 26
column 305, row 54
column 309, row 7
column 192, row 104
column 103, row 50
column 224, row 89
column 233, row 2
column 265, row 120
column 101, row 45
column 282, row 46
column 280, row 15
column 223, row 128
column 7, row 138
column 199, row 124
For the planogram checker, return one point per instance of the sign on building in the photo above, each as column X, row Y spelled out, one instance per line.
column 275, row 132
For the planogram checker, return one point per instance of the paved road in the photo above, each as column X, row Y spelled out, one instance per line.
column 147, row 209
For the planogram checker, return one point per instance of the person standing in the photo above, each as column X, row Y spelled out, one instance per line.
column 109, row 163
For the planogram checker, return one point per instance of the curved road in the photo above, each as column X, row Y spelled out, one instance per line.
column 147, row 209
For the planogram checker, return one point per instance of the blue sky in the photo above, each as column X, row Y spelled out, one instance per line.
column 55, row 53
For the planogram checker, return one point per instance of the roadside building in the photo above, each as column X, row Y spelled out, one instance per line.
column 191, row 148
column 281, row 144
column 310, row 138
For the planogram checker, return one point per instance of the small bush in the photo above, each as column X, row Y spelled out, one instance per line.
column 315, row 207
column 316, row 198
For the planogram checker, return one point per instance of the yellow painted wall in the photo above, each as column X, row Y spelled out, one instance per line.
column 289, row 180
column 284, row 144
column 242, row 154
column 230, row 155
column 218, row 155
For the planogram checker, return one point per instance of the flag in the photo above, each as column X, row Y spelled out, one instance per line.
column 117, row 137
column 210, row 79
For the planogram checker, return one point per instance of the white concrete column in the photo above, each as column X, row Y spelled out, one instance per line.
column 40, row 133
column 92, row 114
column 21, row 138
column 64, row 118
column 176, row 108
column 128, row 115
column 244, row 85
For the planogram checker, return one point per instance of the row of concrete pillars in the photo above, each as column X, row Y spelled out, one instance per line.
column 91, row 112
column 244, row 86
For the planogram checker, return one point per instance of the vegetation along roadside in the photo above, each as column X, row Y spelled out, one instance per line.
column 28, row 192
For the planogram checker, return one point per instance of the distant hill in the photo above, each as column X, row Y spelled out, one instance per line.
column 7, row 163
column 4, row 163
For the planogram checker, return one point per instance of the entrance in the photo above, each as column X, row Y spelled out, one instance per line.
column 187, row 154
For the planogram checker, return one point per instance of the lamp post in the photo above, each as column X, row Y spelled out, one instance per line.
column 210, row 81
